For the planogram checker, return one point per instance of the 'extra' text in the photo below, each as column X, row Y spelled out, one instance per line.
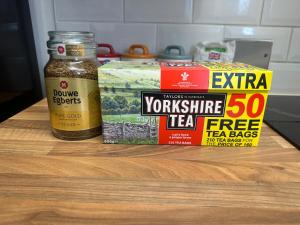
column 231, row 80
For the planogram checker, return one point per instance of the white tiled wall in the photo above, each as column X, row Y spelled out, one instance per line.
column 159, row 23
column 91, row 10
column 187, row 34
column 286, row 79
column 294, row 53
column 166, row 11
column 122, row 35
column 281, row 12
column 228, row 11
column 279, row 35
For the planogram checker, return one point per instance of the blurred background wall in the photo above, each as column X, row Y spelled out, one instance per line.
column 159, row 23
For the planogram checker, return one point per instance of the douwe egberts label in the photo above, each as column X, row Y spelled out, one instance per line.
column 73, row 103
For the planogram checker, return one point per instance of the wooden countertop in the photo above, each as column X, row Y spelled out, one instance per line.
column 44, row 180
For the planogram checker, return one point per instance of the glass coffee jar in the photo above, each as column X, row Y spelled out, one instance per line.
column 71, row 85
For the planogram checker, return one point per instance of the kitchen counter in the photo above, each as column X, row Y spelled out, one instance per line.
column 44, row 180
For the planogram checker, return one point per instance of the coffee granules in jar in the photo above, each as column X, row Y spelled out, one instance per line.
column 71, row 85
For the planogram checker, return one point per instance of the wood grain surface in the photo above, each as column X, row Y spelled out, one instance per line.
column 46, row 181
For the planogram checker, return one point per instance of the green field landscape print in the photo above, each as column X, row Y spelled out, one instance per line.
column 120, row 85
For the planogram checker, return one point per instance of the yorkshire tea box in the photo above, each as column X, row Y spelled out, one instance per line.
column 213, row 104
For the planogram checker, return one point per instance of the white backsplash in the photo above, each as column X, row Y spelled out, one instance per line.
column 281, row 13
column 187, row 35
column 294, row 51
column 159, row 23
column 90, row 10
column 279, row 35
column 228, row 11
column 158, row 11
column 121, row 36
